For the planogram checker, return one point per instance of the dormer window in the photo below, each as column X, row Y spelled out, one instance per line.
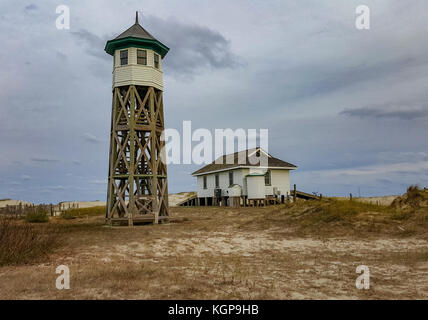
column 156, row 61
column 123, row 57
column 142, row 57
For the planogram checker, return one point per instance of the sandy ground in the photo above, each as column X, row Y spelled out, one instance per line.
column 175, row 198
column 221, row 254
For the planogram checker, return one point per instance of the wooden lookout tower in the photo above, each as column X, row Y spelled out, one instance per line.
column 137, row 181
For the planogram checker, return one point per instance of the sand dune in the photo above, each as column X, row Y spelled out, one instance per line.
column 11, row 202
column 82, row 204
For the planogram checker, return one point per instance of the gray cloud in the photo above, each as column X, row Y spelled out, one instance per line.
column 31, row 6
column 44, row 160
column 393, row 157
column 387, row 111
column 61, row 56
column 94, row 45
column 91, row 138
column 194, row 47
column 312, row 79
column 100, row 182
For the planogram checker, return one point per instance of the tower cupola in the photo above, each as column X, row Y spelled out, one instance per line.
column 137, row 57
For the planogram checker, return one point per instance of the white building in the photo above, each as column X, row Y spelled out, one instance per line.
column 221, row 180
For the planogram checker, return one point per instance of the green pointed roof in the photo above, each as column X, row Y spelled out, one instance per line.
column 136, row 36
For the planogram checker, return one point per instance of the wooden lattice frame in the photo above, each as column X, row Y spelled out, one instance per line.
column 137, row 182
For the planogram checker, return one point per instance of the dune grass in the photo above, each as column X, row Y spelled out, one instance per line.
column 22, row 243
column 333, row 210
column 40, row 215
column 83, row 212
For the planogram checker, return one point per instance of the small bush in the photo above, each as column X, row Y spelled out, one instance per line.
column 38, row 216
column 23, row 243
column 68, row 215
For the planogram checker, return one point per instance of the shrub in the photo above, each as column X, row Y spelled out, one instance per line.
column 23, row 243
column 68, row 215
column 39, row 216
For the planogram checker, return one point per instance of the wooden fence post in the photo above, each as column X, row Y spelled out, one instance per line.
column 294, row 193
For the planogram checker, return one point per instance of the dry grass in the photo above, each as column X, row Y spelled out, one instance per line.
column 22, row 243
column 84, row 212
column 307, row 250
column 38, row 216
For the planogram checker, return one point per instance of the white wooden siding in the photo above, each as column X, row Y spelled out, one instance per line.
column 280, row 178
column 256, row 187
column 209, row 192
column 137, row 74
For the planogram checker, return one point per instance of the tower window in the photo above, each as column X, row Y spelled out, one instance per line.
column 123, row 57
column 217, row 181
column 205, row 182
column 156, row 61
column 230, row 178
column 142, row 57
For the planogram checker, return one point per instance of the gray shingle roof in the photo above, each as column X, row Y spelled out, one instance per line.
column 136, row 31
column 136, row 35
column 248, row 162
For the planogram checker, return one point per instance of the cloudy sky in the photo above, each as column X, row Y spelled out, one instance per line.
column 348, row 106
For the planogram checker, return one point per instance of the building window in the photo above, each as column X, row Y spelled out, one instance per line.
column 123, row 57
column 205, row 182
column 230, row 178
column 217, row 181
column 141, row 57
column 267, row 178
column 156, row 61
